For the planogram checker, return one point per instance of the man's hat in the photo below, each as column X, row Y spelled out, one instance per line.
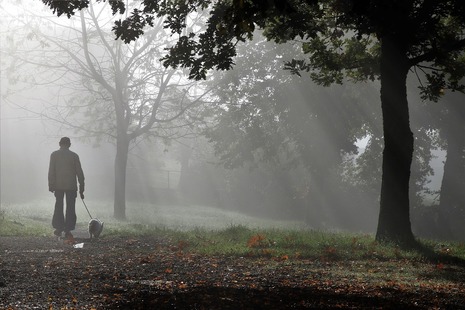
column 65, row 141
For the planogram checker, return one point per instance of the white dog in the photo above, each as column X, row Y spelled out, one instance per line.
column 95, row 228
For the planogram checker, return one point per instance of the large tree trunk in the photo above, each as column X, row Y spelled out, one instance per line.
column 394, row 216
column 121, row 160
column 452, row 199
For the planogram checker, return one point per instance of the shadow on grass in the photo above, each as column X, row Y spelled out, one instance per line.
column 435, row 257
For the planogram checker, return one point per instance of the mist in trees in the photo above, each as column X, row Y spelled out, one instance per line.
column 109, row 91
column 255, row 139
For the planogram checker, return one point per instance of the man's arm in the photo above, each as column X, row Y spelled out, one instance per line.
column 80, row 176
column 51, row 174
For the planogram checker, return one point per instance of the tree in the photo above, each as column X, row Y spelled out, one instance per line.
column 264, row 114
column 268, row 118
column 114, row 91
column 359, row 39
column 452, row 196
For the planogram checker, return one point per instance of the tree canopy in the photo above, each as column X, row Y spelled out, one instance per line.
column 337, row 35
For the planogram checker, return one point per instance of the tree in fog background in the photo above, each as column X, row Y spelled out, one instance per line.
column 105, row 89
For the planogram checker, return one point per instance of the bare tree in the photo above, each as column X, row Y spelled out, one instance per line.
column 105, row 89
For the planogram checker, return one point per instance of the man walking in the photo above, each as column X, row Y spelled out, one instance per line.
column 65, row 168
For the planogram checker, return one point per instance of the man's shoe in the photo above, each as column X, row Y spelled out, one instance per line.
column 57, row 233
column 69, row 239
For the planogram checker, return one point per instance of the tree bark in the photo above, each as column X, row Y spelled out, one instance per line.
column 394, row 216
column 452, row 198
column 121, row 160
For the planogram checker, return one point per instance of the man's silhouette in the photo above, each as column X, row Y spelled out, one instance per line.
column 63, row 173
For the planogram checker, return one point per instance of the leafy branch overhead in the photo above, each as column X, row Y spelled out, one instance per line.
column 340, row 38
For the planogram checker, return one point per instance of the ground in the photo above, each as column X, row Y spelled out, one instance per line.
column 157, row 273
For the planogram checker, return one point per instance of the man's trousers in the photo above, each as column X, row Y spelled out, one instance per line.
column 65, row 222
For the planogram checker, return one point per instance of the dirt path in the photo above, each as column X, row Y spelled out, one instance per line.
column 155, row 273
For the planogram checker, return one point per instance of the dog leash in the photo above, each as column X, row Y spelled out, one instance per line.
column 86, row 207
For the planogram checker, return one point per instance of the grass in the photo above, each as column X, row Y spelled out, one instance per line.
column 25, row 227
column 212, row 231
column 140, row 217
column 240, row 240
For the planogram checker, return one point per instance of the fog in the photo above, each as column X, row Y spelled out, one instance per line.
column 311, row 156
column 26, row 144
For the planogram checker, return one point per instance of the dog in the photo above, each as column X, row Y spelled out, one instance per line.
column 95, row 228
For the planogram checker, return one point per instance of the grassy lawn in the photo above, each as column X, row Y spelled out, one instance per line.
column 213, row 231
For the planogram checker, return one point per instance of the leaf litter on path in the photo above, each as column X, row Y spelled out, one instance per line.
column 154, row 272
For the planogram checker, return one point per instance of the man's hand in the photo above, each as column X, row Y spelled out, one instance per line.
column 81, row 191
